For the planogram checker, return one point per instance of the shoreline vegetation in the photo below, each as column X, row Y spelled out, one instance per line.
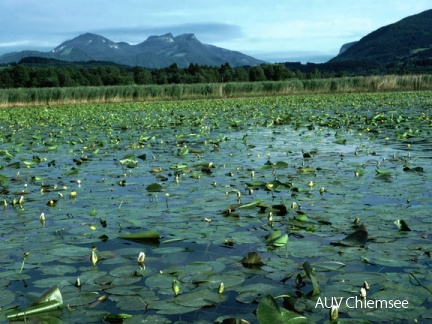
column 136, row 93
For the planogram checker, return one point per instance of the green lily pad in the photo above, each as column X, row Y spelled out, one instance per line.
column 154, row 187
column 358, row 238
column 251, row 260
column 145, row 235
column 51, row 300
column 269, row 311
column 276, row 239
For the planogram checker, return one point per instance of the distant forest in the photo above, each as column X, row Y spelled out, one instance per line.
column 42, row 72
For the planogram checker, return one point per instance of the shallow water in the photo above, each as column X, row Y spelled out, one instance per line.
column 200, row 245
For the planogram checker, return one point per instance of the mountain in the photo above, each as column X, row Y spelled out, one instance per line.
column 407, row 40
column 154, row 52
column 346, row 46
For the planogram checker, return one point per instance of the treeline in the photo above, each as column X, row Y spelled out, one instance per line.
column 35, row 72
column 28, row 75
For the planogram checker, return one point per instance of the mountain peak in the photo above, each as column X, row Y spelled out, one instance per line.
column 168, row 38
column 82, row 41
column 155, row 52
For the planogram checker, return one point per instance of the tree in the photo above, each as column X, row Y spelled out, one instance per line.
column 256, row 73
column 21, row 76
column 226, row 73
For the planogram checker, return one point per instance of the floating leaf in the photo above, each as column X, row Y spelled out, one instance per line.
column 199, row 298
column 116, row 318
column 275, row 165
column 305, row 170
column 341, row 141
column 253, row 259
column 301, row 216
column 146, row 235
column 142, row 157
column 154, row 187
column 380, row 172
column 49, row 301
column 276, row 239
column 15, row 165
column 4, row 181
column 414, row 169
column 358, row 238
column 268, row 311
column 178, row 166
column 251, row 204
column 256, row 184
column 129, row 161
column 402, row 225
column 183, row 151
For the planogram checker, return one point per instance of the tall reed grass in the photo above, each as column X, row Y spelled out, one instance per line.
column 48, row 96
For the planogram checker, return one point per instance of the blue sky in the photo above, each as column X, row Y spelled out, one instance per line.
column 272, row 30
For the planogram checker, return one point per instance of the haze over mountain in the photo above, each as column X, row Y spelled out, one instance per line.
column 154, row 52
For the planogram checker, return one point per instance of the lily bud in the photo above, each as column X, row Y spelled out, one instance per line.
column 176, row 287
column 270, row 217
column 293, row 205
column 363, row 293
column 78, row 283
column 94, row 258
column 42, row 219
column 141, row 258
column 334, row 313
column 221, row 288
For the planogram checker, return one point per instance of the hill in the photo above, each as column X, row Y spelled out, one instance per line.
column 155, row 52
column 405, row 41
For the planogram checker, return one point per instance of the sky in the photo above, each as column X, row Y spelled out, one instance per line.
column 271, row 30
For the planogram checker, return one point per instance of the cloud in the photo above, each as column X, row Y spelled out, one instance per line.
column 14, row 44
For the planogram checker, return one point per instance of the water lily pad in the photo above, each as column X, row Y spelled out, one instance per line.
column 200, row 298
column 358, row 238
column 49, row 301
column 268, row 311
column 151, row 235
column 252, row 259
column 154, row 187
column 6, row 298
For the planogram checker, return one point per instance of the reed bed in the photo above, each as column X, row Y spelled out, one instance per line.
column 55, row 96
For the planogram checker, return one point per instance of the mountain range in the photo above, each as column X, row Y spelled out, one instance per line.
column 391, row 48
column 155, row 52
